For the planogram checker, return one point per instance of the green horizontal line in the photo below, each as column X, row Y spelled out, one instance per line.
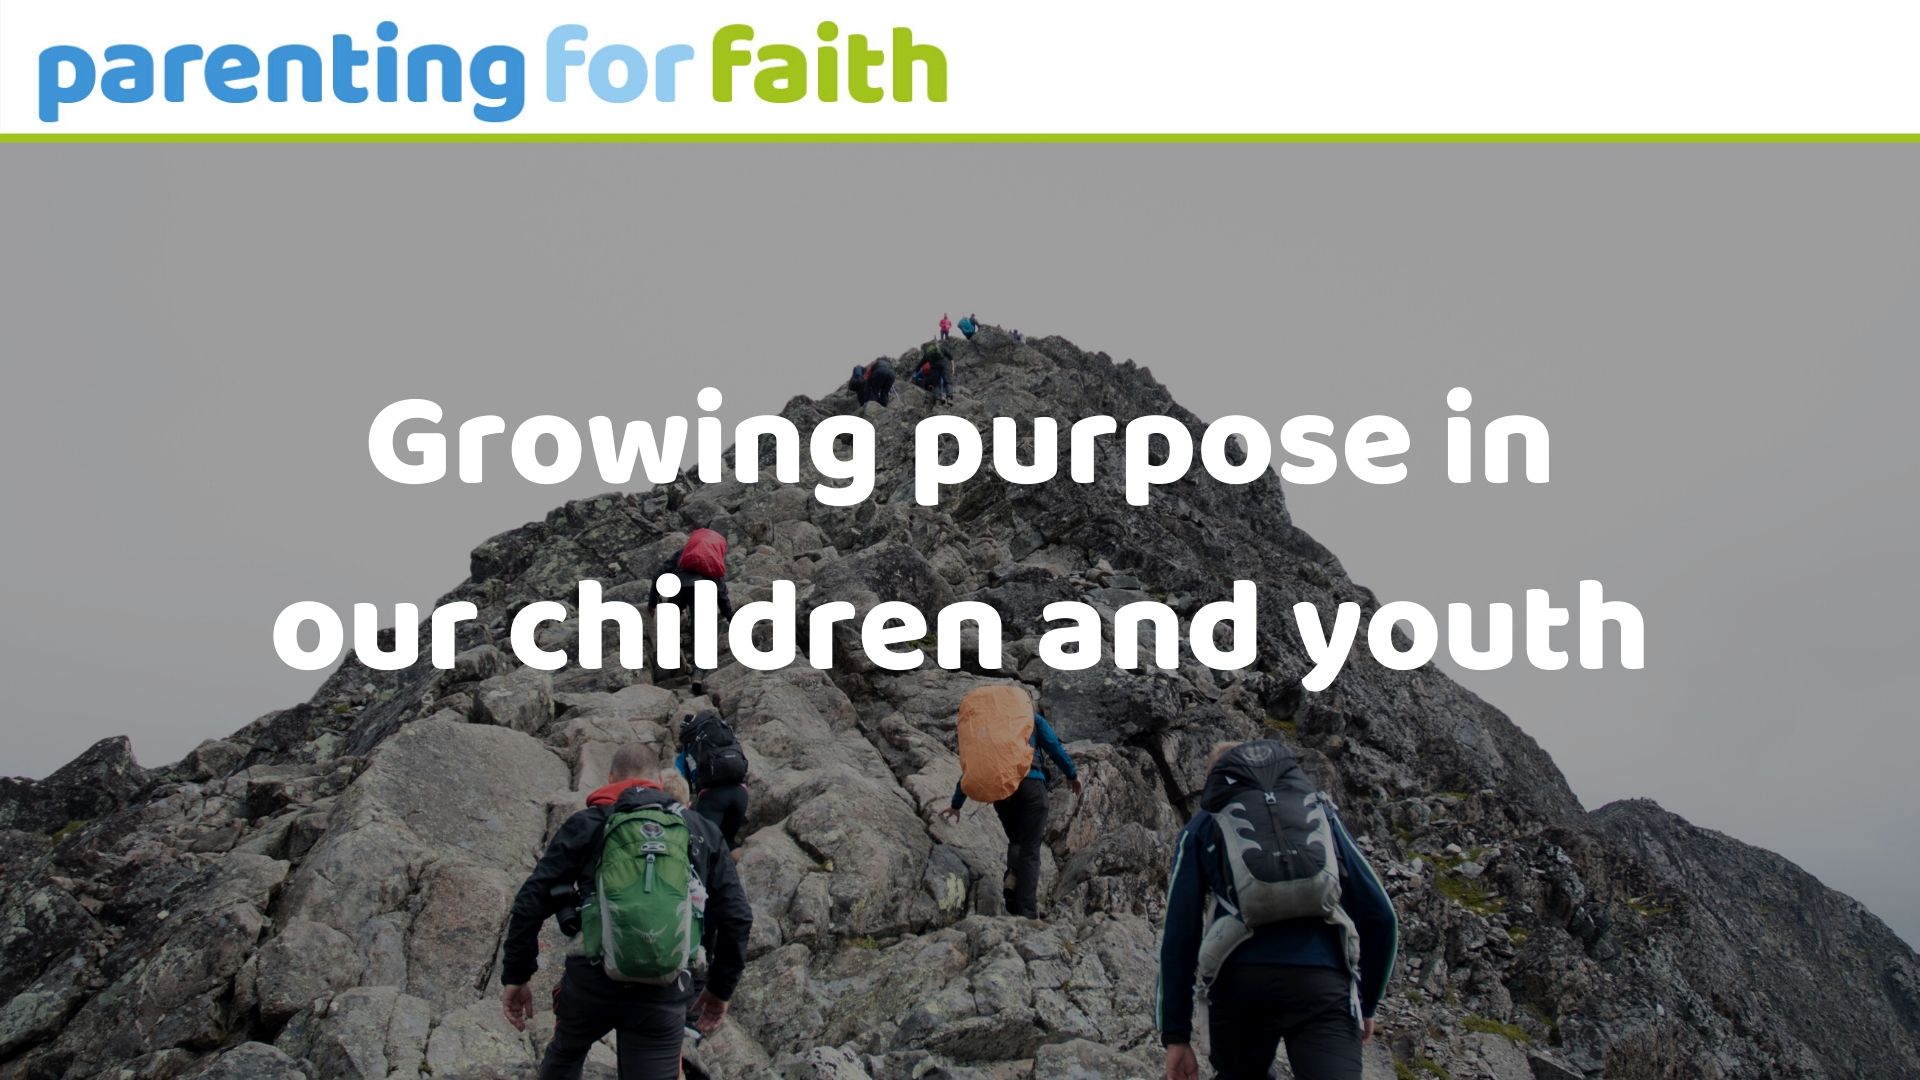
column 943, row 137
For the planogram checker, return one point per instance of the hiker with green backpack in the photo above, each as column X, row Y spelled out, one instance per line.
column 1276, row 921
column 1005, row 745
column 637, row 880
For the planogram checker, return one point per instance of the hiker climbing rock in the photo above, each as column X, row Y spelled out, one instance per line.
column 1301, row 940
column 636, row 881
column 873, row 382
column 1004, row 747
column 702, row 558
column 943, row 376
column 715, row 766
column 937, row 365
column 946, row 326
column 968, row 324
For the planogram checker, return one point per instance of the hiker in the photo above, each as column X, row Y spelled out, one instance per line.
column 946, row 325
column 941, row 382
column 1004, row 745
column 873, row 382
column 968, row 324
column 935, row 372
column 1302, row 935
column 715, row 766
column 636, row 851
column 702, row 557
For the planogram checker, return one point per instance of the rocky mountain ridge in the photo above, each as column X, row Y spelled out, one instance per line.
column 322, row 894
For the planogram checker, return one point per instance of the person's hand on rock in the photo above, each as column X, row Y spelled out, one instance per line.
column 708, row 1011
column 516, row 1002
column 1181, row 1064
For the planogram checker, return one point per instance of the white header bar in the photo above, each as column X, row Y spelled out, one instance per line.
column 1211, row 67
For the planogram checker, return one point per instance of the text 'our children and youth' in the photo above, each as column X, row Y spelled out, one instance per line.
column 409, row 442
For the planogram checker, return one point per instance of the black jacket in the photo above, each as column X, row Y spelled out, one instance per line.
column 685, row 597
column 568, row 859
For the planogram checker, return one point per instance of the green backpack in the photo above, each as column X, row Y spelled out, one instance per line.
column 640, row 922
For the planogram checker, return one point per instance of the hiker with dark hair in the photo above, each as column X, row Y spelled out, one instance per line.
column 1301, row 939
column 702, row 558
column 946, row 326
column 1005, row 745
column 968, row 324
column 873, row 382
column 715, row 766
column 637, row 882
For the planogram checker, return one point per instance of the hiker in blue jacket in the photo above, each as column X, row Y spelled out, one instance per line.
column 1023, row 815
column 1313, row 982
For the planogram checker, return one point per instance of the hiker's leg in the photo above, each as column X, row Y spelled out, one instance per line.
column 649, row 1035
column 736, row 824
column 1323, row 1040
column 581, row 1018
column 1008, row 811
column 727, row 808
column 709, row 804
column 1242, row 1026
column 1032, row 825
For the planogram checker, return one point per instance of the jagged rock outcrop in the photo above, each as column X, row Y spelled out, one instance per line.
column 322, row 894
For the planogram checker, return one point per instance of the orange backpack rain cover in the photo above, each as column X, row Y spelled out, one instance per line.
column 996, row 726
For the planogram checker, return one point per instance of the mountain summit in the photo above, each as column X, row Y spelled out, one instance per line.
column 323, row 894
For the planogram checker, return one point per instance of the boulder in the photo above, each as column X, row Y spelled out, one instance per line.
column 522, row 701
column 253, row 1061
column 304, row 963
column 96, row 783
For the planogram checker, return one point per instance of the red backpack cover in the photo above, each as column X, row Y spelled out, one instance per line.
column 705, row 553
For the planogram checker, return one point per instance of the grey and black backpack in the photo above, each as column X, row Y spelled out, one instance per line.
column 1275, row 832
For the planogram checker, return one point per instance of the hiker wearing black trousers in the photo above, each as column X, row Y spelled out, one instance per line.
column 942, row 376
column 873, row 382
column 722, row 802
column 1023, row 815
column 1288, row 981
column 688, row 572
column 650, row 1021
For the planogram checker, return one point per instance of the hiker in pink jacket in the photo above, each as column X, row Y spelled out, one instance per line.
column 946, row 326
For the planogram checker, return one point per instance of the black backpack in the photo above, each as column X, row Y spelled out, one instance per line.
column 1276, row 833
column 718, row 758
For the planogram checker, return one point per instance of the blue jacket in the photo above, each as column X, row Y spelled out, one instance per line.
column 1200, row 873
column 1049, row 743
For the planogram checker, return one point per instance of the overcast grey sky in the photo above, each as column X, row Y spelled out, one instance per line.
column 1719, row 338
